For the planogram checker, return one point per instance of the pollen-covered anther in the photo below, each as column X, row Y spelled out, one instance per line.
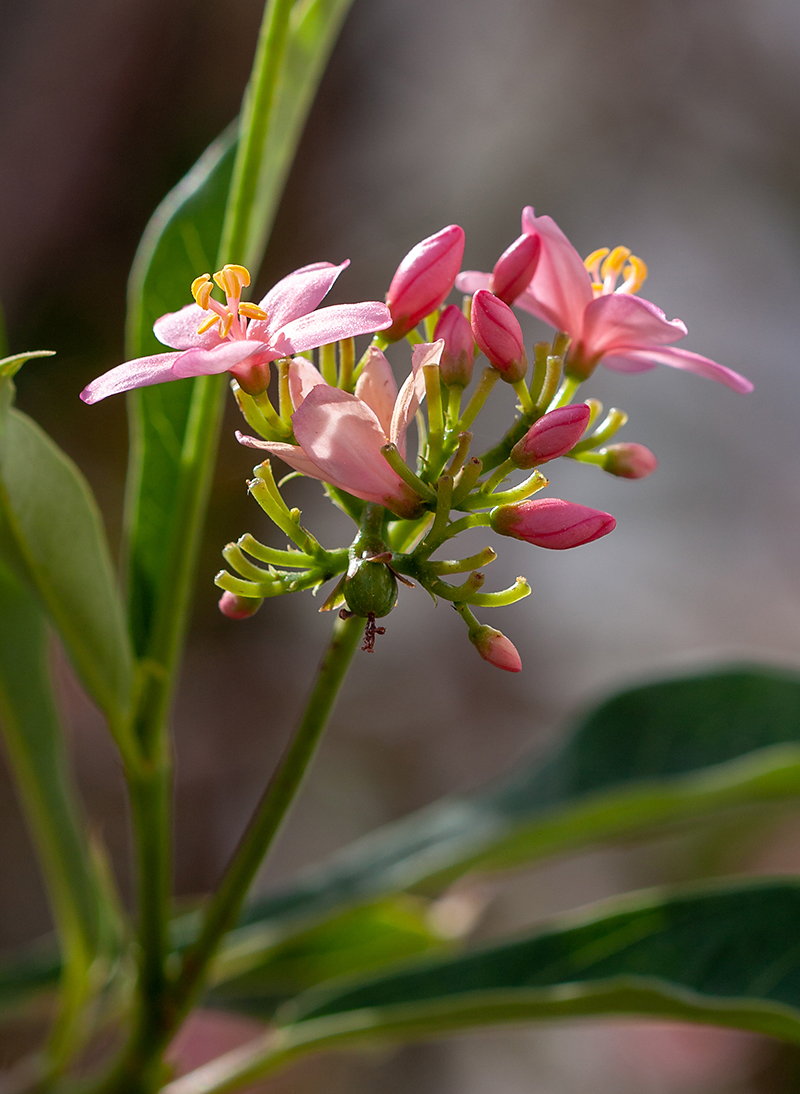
column 232, row 279
column 252, row 311
column 605, row 267
column 207, row 324
column 635, row 274
column 225, row 325
column 201, row 290
column 592, row 264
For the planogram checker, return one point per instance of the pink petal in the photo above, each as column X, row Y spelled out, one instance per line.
column 344, row 439
column 639, row 358
column 377, row 387
column 561, row 288
column 329, row 325
column 139, row 373
column 178, row 329
column 413, row 391
column 622, row 320
column 291, row 454
column 469, row 281
column 295, row 295
column 303, row 376
column 225, row 356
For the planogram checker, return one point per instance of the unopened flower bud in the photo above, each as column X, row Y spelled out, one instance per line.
column 455, row 366
column 515, row 268
column 552, row 436
column 629, row 461
column 494, row 647
column 371, row 589
column 239, row 607
column 499, row 335
column 552, row 523
column 423, row 280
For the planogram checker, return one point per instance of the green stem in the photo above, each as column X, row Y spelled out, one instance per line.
column 224, row 906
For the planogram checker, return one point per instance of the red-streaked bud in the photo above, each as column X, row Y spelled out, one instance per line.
column 455, row 366
column 499, row 335
column 423, row 280
column 494, row 647
column 239, row 607
column 515, row 268
column 552, row 523
column 552, row 436
column 629, row 461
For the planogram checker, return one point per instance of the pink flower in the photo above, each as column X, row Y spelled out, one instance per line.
column 553, row 435
column 423, row 279
column 499, row 335
column 629, row 461
column 459, row 347
column 340, row 435
column 515, row 268
column 551, row 522
column 606, row 323
column 240, row 337
column 494, row 647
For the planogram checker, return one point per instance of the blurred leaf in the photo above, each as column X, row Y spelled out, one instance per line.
column 54, row 536
column 181, row 242
column 10, row 366
column 723, row 956
column 257, row 972
column 654, row 756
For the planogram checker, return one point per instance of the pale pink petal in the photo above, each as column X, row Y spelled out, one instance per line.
column 622, row 320
column 303, row 376
column 377, row 387
column 292, row 454
column 178, row 329
column 329, row 325
column 413, row 391
column 295, row 295
column 640, row 358
column 469, row 281
column 225, row 356
column 561, row 288
column 344, row 439
column 139, row 373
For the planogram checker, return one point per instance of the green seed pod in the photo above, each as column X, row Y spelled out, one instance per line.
column 371, row 589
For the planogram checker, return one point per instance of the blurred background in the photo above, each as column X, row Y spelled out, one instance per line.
column 670, row 126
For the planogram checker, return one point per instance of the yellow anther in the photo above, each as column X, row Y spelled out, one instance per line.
column 225, row 325
column 614, row 263
column 231, row 279
column 201, row 290
column 592, row 262
column 251, row 311
column 207, row 324
column 221, row 279
column 635, row 275
column 241, row 273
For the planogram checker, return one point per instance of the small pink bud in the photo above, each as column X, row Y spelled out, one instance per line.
column 515, row 268
column 423, row 280
column 455, row 366
column 629, row 461
column 552, row 436
column 499, row 335
column 238, row 607
column 552, row 523
column 494, row 647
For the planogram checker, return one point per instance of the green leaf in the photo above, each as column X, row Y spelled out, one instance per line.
column 655, row 756
column 726, row 956
column 35, row 746
column 10, row 366
column 257, row 970
column 53, row 535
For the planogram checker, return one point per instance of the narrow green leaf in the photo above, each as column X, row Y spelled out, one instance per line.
column 10, row 366
column 656, row 756
column 54, row 535
column 726, row 956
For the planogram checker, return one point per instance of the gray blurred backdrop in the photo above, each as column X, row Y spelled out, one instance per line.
column 670, row 126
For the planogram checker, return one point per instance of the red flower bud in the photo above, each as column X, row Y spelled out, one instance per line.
column 515, row 268
column 455, row 366
column 423, row 280
column 494, row 647
column 239, row 607
column 552, row 523
column 552, row 435
column 499, row 335
column 629, row 461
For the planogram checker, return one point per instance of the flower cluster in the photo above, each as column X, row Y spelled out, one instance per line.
column 345, row 422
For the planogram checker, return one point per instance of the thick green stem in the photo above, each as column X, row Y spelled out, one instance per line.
column 224, row 906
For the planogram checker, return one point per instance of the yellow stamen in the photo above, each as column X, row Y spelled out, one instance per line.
column 225, row 325
column 221, row 279
column 201, row 290
column 207, row 324
column 231, row 279
column 635, row 275
column 614, row 263
column 241, row 273
column 251, row 311
column 592, row 262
